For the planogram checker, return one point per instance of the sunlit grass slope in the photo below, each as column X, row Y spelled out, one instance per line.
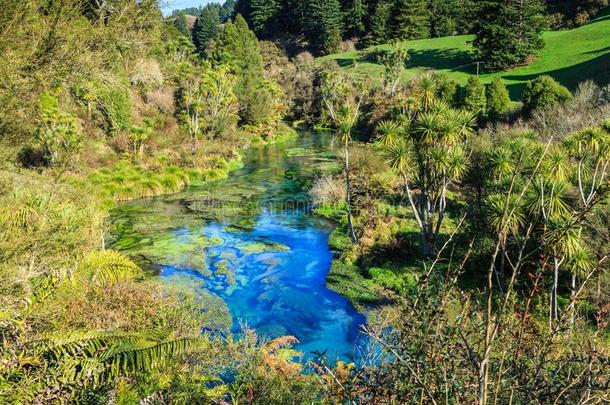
column 569, row 56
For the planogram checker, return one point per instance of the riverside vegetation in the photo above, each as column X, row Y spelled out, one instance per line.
column 471, row 229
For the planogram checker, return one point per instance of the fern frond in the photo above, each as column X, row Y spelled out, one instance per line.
column 122, row 360
column 283, row 342
column 85, row 343
column 108, row 267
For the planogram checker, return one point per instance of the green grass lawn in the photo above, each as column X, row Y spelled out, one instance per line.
column 570, row 56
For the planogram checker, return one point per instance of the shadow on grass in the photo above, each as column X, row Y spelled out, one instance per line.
column 596, row 69
column 442, row 59
column 438, row 59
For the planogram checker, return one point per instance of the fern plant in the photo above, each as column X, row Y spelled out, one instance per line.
column 107, row 267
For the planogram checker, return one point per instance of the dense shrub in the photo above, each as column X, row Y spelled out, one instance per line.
column 544, row 92
column 474, row 95
column 498, row 99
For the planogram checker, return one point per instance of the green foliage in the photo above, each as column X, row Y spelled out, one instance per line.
column 448, row 90
column 238, row 48
column 474, row 96
column 206, row 27
column 380, row 23
column 411, row 20
column 182, row 25
column 446, row 17
column 114, row 104
column 57, row 133
column 544, row 92
column 355, row 12
column 323, row 25
column 430, row 155
column 508, row 33
column 498, row 99
column 262, row 16
column 394, row 62
column 107, row 267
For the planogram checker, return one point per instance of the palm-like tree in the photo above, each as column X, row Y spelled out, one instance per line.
column 591, row 151
column 568, row 249
column 388, row 132
column 429, row 158
column 343, row 97
column 346, row 119
column 425, row 90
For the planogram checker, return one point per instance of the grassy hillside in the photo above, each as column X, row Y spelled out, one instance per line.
column 569, row 56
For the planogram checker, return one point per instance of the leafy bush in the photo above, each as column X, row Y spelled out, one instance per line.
column 56, row 133
column 498, row 99
column 544, row 92
column 474, row 95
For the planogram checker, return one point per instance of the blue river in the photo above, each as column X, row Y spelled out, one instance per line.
column 251, row 240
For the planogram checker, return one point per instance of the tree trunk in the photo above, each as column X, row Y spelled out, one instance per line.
column 572, row 293
column 553, row 313
column 348, row 199
column 427, row 247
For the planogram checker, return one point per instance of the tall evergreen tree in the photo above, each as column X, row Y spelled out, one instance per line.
column 508, row 32
column 323, row 25
column 411, row 19
column 206, row 27
column 354, row 12
column 263, row 16
column 380, row 23
column 238, row 48
column 444, row 15
column 227, row 10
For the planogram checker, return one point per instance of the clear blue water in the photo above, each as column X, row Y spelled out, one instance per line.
column 252, row 241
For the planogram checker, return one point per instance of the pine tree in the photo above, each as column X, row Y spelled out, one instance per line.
column 444, row 15
column 263, row 16
column 227, row 10
column 206, row 27
column 238, row 48
column 354, row 12
column 380, row 23
column 324, row 25
column 498, row 100
column 411, row 19
column 508, row 32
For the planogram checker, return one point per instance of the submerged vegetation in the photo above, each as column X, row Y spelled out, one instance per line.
column 472, row 230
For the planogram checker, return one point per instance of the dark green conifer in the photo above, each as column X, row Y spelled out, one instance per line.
column 508, row 32
column 324, row 25
column 206, row 27
column 380, row 23
column 263, row 17
column 411, row 19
